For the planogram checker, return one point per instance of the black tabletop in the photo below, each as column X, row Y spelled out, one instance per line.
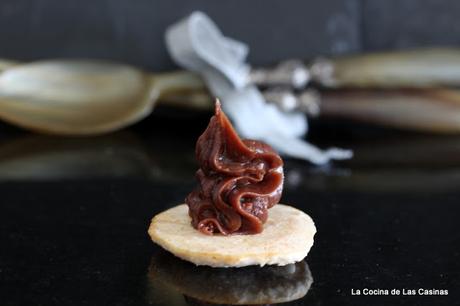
column 74, row 214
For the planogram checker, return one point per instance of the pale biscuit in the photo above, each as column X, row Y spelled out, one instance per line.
column 287, row 238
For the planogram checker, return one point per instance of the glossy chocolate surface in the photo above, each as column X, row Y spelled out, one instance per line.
column 238, row 181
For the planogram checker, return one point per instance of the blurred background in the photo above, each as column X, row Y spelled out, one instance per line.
column 74, row 208
column 133, row 33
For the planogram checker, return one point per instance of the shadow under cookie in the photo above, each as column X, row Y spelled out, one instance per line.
column 238, row 286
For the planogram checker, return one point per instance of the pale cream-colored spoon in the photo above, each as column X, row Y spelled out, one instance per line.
column 86, row 97
column 82, row 97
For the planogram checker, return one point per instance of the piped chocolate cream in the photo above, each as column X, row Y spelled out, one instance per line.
column 238, row 181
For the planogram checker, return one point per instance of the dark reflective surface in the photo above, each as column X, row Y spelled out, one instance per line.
column 225, row 286
column 74, row 214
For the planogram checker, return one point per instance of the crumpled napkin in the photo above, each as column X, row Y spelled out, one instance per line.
column 195, row 43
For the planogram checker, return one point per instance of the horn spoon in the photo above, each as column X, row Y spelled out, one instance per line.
column 83, row 97
column 78, row 97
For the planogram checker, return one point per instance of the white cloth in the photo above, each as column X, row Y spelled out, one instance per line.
column 195, row 43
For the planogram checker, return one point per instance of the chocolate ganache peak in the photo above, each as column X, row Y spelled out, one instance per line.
column 238, row 181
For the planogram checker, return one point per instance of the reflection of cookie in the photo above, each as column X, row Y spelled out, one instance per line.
column 239, row 286
column 287, row 238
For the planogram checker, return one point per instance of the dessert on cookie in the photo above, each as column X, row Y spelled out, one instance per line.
column 232, row 219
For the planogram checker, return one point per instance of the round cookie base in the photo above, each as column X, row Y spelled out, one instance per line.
column 287, row 238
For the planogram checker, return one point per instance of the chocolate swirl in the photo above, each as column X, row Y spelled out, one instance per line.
column 239, row 180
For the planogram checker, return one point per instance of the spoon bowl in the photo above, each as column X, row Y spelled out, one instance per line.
column 82, row 97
